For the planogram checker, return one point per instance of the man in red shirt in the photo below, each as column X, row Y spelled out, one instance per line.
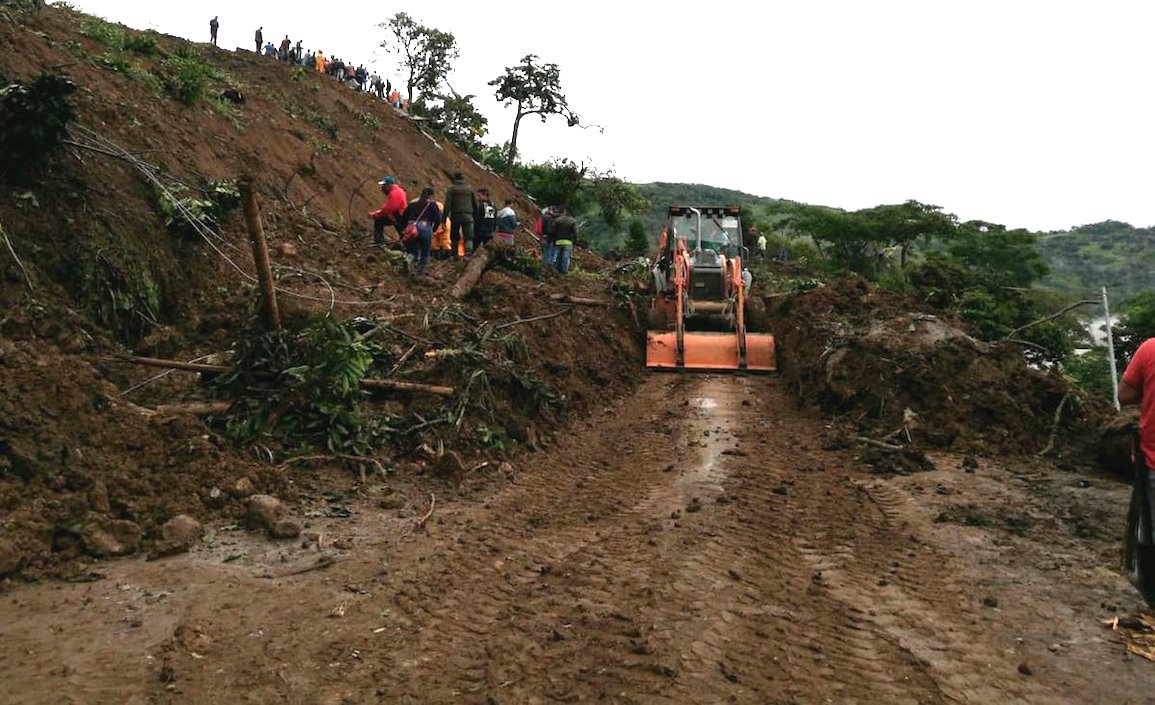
column 391, row 213
column 1138, row 387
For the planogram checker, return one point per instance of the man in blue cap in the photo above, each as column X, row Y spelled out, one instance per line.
column 391, row 213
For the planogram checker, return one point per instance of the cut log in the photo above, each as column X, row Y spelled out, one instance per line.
column 260, row 252
column 578, row 301
column 482, row 260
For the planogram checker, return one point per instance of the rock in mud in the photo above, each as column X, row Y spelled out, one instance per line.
column 103, row 536
column 285, row 529
column 242, row 488
column 265, row 511
column 181, row 530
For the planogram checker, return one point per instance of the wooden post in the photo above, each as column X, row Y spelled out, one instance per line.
column 260, row 251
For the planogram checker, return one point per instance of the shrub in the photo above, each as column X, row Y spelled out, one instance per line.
column 186, row 214
column 184, row 79
column 142, row 44
column 34, row 120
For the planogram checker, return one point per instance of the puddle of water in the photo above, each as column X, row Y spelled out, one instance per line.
column 704, row 402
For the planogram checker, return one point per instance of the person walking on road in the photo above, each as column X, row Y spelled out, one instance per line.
column 460, row 206
column 392, row 212
column 214, row 25
column 260, row 38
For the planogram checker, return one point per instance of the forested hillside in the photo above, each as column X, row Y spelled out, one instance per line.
column 1116, row 255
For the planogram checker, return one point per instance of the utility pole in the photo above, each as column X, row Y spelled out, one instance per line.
column 260, row 252
column 1111, row 352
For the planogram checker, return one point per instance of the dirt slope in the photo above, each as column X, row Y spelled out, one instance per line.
column 107, row 276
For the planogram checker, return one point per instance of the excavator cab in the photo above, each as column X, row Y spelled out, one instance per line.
column 698, row 315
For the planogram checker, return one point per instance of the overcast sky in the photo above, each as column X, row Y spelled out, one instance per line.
column 1031, row 114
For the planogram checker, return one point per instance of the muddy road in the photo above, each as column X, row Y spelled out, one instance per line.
column 692, row 544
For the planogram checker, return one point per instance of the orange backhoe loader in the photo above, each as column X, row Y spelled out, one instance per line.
column 700, row 310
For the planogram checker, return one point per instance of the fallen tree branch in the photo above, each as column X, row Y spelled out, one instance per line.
column 878, row 444
column 12, row 251
column 578, row 300
column 532, row 319
column 203, row 408
column 360, row 459
column 389, row 385
column 1053, row 316
column 425, row 519
column 1055, row 426
column 400, row 362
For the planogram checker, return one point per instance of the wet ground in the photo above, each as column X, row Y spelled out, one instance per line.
column 694, row 543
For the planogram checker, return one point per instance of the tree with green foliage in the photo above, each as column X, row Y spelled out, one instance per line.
column 999, row 257
column 903, row 224
column 1136, row 324
column 637, row 244
column 456, row 116
column 426, row 55
column 533, row 88
column 615, row 198
column 848, row 240
column 557, row 183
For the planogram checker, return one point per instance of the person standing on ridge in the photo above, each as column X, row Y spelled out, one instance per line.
column 460, row 205
column 391, row 213
column 214, row 25
column 260, row 37
column 484, row 219
column 283, row 53
column 319, row 62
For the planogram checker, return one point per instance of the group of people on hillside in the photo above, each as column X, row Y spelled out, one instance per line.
column 353, row 75
column 463, row 222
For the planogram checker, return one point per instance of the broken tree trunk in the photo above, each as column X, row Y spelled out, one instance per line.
column 577, row 300
column 383, row 385
column 260, row 252
column 482, row 260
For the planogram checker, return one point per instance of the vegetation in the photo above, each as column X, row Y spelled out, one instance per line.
column 187, row 214
column 426, row 55
column 303, row 386
column 1111, row 254
column 533, row 88
column 34, row 119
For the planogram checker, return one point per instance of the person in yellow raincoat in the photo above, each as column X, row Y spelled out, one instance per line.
column 441, row 236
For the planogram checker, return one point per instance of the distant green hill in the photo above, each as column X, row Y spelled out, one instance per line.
column 1116, row 255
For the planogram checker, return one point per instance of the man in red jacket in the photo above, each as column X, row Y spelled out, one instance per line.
column 391, row 213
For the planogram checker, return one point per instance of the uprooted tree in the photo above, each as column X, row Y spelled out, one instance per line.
column 426, row 55
column 534, row 88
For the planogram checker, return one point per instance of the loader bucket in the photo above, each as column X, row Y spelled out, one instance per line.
column 760, row 355
column 710, row 351
column 661, row 349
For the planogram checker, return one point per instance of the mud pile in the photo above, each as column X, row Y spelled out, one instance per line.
column 887, row 367
column 86, row 468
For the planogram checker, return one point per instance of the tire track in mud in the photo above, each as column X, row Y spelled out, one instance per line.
column 689, row 545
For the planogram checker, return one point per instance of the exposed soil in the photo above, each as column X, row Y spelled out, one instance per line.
column 893, row 370
column 77, row 451
column 692, row 544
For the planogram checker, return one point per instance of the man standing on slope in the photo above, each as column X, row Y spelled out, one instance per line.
column 460, row 205
column 391, row 213
column 260, row 37
column 1138, row 387
column 214, row 25
column 565, row 234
